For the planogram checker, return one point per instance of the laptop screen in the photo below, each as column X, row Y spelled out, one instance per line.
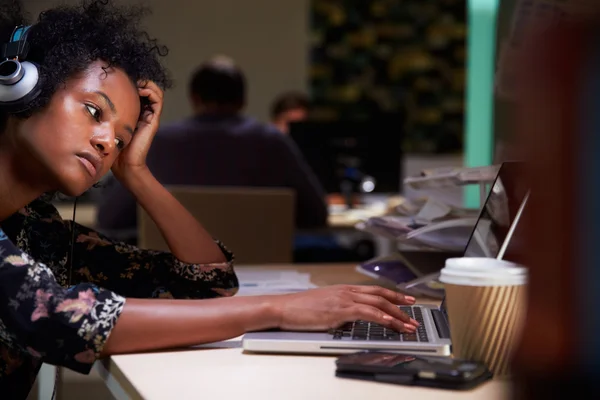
column 498, row 213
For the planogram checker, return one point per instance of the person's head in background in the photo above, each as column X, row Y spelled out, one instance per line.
column 287, row 108
column 218, row 87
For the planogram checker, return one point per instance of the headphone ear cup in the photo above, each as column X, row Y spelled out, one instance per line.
column 19, row 85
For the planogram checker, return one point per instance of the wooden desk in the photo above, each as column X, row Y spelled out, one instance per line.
column 222, row 370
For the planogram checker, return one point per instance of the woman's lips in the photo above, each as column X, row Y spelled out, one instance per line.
column 91, row 169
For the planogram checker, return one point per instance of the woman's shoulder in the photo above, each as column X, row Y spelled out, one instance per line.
column 39, row 217
column 41, row 209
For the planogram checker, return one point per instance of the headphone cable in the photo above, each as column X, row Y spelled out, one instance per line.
column 72, row 243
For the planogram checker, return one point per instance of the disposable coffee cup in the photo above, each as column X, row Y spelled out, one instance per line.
column 485, row 300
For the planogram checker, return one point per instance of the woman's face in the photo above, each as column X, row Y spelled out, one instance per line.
column 75, row 140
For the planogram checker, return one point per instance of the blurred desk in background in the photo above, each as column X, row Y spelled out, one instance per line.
column 344, row 219
column 84, row 215
column 341, row 223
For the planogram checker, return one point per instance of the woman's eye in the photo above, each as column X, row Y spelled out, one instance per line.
column 119, row 143
column 94, row 112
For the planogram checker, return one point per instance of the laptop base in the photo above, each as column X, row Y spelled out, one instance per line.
column 324, row 343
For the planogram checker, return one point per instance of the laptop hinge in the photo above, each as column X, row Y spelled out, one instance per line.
column 440, row 324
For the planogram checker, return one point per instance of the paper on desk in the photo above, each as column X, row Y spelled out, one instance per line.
column 439, row 178
column 257, row 282
column 249, row 274
column 432, row 215
column 433, row 210
column 387, row 226
column 451, row 235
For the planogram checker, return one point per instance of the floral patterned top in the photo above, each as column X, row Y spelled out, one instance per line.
column 44, row 319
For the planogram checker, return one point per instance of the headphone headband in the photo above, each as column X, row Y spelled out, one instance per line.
column 20, row 33
column 17, row 47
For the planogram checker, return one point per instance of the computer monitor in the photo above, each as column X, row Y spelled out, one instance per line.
column 366, row 154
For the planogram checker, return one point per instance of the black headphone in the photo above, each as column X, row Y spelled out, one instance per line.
column 19, row 79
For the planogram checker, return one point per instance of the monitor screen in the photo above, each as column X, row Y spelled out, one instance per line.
column 367, row 153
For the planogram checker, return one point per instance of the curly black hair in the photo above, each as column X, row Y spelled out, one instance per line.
column 65, row 40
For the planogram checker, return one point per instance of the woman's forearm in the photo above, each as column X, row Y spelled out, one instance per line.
column 186, row 238
column 151, row 324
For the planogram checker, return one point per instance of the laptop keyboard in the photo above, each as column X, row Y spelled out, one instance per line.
column 362, row 330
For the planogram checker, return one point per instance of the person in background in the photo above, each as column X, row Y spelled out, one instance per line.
column 69, row 295
column 287, row 108
column 220, row 146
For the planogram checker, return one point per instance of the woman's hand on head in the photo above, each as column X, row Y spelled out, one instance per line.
column 331, row 307
column 133, row 156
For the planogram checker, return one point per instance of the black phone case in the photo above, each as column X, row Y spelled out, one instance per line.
column 413, row 380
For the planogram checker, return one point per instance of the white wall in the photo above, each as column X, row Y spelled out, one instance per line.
column 268, row 38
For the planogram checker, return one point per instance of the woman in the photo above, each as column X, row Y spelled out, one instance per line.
column 98, row 107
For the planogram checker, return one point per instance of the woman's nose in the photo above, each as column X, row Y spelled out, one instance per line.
column 104, row 142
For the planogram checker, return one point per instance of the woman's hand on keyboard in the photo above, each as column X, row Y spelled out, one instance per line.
column 331, row 307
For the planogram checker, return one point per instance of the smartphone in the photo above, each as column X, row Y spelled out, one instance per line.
column 439, row 372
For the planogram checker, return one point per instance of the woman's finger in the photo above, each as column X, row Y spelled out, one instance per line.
column 150, row 85
column 390, row 295
column 152, row 95
column 384, row 305
column 372, row 314
column 155, row 103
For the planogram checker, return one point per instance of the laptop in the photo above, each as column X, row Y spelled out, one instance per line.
column 495, row 225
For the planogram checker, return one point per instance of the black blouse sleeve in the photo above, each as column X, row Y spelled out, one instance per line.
column 126, row 269
column 136, row 272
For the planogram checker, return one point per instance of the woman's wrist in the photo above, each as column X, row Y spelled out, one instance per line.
column 269, row 313
column 134, row 177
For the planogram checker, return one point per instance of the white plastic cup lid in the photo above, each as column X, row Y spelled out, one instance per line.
column 476, row 271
